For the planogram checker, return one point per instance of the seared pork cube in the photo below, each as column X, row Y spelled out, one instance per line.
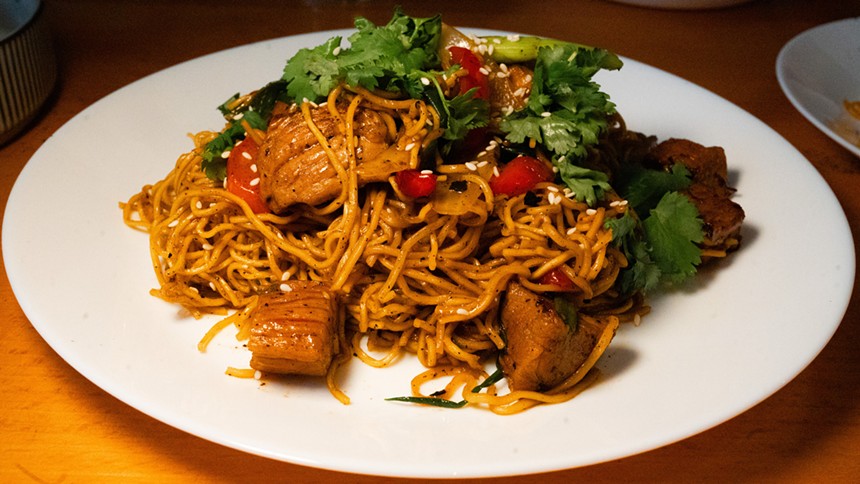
column 709, row 189
column 295, row 331
column 542, row 349
column 295, row 167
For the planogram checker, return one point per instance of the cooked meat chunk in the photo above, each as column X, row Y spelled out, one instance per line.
column 295, row 168
column 542, row 349
column 709, row 191
column 295, row 332
column 510, row 88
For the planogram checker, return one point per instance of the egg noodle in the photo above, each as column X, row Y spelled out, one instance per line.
column 421, row 277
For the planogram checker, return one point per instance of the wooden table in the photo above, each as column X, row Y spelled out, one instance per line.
column 56, row 426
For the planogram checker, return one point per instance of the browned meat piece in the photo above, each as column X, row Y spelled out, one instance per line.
column 542, row 350
column 709, row 191
column 295, row 168
column 295, row 332
column 509, row 88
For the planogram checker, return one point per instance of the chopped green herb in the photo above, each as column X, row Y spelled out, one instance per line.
column 441, row 402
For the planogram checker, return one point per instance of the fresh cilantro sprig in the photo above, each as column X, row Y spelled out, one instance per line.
column 457, row 115
column 567, row 112
column 256, row 113
column 588, row 185
column 377, row 57
column 662, row 247
column 674, row 228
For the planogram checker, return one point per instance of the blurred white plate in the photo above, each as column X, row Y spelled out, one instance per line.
column 683, row 4
column 820, row 69
column 703, row 356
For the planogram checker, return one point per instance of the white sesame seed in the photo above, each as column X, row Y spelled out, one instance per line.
column 497, row 41
column 503, row 67
column 212, row 286
column 590, row 211
column 336, row 50
column 173, row 223
column 471, row 166
column 514, row 38
column 254, row 168
column 555, row 169
column 425, row 81
column 286, row 288
column 571, row 231
column 490, row 49
column 225, row 154
column 519, row 92
column 285, row 276
column 484, row 71
column 206, row 246
column 426, row 172
column 545, row 114
column 254, row 182
column 239, row 116
column 637, row 319
column 305, row 100
column 552, row 188
column 554, row 198
column 258, row 375
column 246, row 155
column 496, row 170
column 482, row 154
column 462, row 311
column 198, row 205
column 409, row 147
column 482, row 164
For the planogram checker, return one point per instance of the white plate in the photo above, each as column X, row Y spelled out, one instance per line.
column 701, row 357
column 818, row 70
column 683, row 4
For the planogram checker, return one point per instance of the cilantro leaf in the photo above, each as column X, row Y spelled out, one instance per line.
column 662, row 248
column 378, row 57
column 566, row 111
column 644, row 273
column 673, row 229
column 643, row 188
column 214, row 164
column 588, row 185
column 312, row 73
column 457, row 115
